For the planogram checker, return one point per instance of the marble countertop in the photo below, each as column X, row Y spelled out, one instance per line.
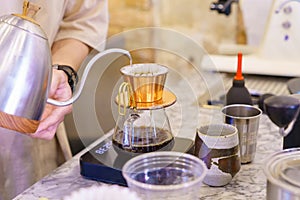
column 185, row 116
column 249, row 183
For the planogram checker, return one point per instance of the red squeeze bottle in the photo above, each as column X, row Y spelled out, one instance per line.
column 238, row 93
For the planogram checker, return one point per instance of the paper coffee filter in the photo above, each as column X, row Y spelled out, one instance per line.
column 144, row 69
column 103, row 192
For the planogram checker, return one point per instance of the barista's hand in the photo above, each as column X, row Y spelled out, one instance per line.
column 54, row 115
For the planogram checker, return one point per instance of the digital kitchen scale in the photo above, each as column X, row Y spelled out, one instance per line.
column 104, row 162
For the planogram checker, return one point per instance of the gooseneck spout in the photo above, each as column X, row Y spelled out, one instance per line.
column 85, row 74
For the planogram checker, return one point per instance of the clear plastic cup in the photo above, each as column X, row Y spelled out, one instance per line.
column 165, row 175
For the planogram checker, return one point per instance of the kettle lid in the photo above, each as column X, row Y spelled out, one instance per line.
column 24, row 21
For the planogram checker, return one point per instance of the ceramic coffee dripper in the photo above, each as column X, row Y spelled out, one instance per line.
column 147, row 81
column 26, row 70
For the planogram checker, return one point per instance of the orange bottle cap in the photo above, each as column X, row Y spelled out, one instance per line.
column 239, row 75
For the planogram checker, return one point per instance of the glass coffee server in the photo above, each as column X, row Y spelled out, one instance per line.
column 143, row 125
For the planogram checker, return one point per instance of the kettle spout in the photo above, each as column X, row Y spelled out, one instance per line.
column 85, row 74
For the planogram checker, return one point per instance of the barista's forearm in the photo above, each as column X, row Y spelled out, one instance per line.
column 69, row 52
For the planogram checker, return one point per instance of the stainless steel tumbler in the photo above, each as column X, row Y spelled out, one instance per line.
column 246, row 119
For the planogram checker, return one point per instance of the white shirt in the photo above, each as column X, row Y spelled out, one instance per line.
column 85, row 20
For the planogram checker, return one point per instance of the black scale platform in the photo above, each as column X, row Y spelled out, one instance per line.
column 104, row 162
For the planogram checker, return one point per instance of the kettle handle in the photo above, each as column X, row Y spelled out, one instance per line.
column 85, row 73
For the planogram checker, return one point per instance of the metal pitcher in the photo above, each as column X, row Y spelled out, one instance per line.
column 26, row 70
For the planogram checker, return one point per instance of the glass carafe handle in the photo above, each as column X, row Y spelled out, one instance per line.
column 129, row 131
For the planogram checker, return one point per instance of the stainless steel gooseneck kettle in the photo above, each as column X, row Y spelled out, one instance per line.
column 26, row 70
